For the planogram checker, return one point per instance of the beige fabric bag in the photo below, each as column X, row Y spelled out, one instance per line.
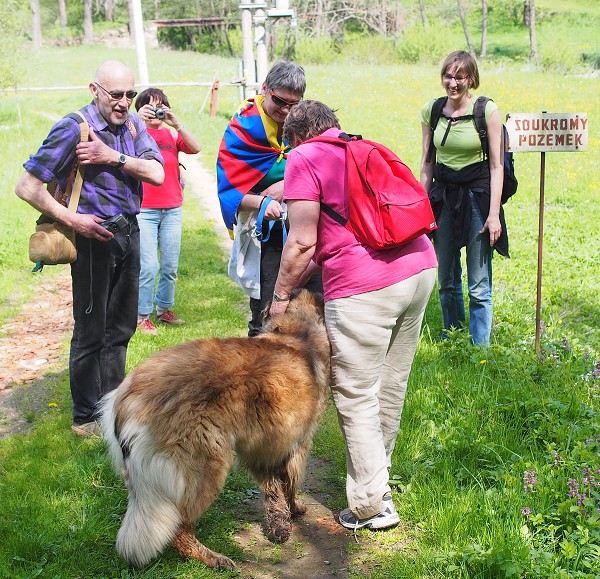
column 54, row 243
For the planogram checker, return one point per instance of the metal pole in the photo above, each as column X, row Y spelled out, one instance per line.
column 249, row 70
column 140, row 45
column 538, row 305
column 260, row 19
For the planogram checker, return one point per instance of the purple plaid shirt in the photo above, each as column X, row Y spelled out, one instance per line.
column 106, row 190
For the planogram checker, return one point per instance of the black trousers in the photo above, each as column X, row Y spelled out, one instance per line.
column 270, row 258
column 105, row 297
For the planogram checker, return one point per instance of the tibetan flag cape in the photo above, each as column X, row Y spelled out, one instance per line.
column 248, row 151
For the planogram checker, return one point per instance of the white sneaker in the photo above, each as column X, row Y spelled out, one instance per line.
column 388, row 517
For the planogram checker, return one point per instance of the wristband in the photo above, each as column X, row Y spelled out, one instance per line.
column 179, row 128
column 278, row 298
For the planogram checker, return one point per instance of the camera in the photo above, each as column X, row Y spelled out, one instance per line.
column 115, row 223
column 159, row 113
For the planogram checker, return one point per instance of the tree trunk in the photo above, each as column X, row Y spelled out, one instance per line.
column 383, row 28
column 88, row 30
column 533, row 53
column 109, row 10
column 132, row 30
column 319, row 19
column 36, row 25
column 424, row 20
column 484, row 21
column 62, row 13
column 461, row 13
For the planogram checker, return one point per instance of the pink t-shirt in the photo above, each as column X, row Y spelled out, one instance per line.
column 169, row 194
column 315, row 172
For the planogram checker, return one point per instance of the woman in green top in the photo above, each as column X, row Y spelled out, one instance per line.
column 465, row 191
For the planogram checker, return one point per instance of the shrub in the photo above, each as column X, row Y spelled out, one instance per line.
column 368, row 49
column 424, row 44
column 11, row 27
column 316, row 51
column 503, row 14
column 559, row 58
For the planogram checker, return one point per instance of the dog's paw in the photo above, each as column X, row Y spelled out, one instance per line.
column 279, row 527
column 223, row 562
column 298, row 509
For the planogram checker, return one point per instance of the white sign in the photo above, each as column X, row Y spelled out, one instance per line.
column 531, row 132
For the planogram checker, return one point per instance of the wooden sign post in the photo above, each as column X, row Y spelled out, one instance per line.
column 533, row 132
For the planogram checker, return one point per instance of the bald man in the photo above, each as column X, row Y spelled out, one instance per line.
column 118, row 156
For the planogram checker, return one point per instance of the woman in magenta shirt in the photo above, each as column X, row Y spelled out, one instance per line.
column 374, row 305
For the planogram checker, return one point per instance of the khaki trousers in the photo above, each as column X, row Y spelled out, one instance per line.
column 374, row 337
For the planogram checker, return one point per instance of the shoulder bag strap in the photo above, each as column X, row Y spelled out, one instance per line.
column 84, row 131
column 258, row 233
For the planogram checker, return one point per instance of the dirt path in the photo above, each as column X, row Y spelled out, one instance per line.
column 35, row 343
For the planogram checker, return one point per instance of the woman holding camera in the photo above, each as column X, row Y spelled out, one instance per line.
column 160, row 218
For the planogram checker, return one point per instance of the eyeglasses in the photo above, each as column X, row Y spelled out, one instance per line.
column 117, row 95
column 282, row 102
column 449, row 77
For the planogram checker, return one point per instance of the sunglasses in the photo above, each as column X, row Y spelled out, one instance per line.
column 117, row 95
column 282, row 102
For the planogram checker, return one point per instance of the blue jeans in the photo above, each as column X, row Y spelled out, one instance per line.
column 160, row 245
column 479, row 276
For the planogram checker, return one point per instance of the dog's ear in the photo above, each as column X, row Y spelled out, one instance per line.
column 315, row 299
column 299, row 299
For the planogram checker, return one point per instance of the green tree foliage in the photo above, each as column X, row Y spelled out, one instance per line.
column 11, row 39
column 324, row 30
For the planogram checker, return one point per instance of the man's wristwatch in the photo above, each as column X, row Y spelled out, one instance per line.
column 278, row 298
column 122, row 160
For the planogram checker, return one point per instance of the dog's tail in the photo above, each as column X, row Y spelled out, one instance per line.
column 152, row 517
column 154, row 485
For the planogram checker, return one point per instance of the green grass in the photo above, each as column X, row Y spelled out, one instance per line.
column 474, row 420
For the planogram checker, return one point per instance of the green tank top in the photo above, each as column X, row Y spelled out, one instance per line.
column 462, row 146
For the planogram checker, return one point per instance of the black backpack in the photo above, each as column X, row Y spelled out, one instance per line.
column 509, row 188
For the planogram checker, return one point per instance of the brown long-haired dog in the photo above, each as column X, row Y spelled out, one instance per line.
column 178, row 420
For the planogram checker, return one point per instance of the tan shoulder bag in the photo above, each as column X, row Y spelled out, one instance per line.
column 53, row 242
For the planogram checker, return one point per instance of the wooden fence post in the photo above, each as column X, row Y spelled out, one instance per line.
column 213, row 98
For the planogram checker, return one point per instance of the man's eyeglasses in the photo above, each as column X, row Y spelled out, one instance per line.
column 117, row 95
column 281, row 102
column 449, row 77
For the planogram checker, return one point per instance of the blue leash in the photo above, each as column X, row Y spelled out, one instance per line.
column 259, row 223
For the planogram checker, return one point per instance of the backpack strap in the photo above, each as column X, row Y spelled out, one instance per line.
column 436, row 113
column 333, row 214
column 341, row 139
column 481, row 124
column 337, row 217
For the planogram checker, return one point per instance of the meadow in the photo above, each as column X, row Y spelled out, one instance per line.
column 496, row 471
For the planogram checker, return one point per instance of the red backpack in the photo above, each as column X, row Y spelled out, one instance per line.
column 387, row 206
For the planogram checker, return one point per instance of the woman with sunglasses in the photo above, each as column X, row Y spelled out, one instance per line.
column 465, row 192
column 250, row 167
